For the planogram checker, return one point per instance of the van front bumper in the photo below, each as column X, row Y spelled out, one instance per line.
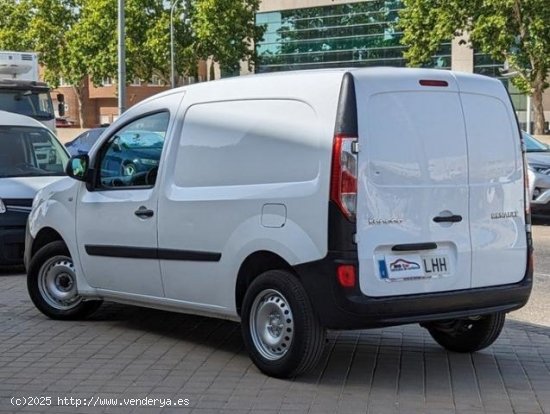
column 342, row 308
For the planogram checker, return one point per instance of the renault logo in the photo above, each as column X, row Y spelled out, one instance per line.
column 2, row 207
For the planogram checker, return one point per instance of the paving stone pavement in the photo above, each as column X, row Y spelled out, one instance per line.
column 126, row 352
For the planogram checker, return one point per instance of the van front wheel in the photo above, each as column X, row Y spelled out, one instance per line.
column 467, row 335
column 51, row 282
column 280, row 330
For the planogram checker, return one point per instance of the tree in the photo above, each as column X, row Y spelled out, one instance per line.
column 225, row 31
column 515, row 31
column 14, row 21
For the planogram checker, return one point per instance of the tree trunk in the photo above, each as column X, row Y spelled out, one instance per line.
column 538, row 109
column 78, row 89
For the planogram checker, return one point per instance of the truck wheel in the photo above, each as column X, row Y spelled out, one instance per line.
column 51, row 282
column 467, row 335
column 280, row 330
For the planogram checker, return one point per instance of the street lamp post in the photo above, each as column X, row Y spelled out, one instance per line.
column 172, row 71
column 121, row 60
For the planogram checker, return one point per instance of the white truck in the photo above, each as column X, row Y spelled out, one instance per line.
column 21, row 91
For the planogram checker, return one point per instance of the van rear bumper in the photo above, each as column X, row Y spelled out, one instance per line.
column 341, row 308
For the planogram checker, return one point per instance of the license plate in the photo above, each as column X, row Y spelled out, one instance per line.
column 413, row 266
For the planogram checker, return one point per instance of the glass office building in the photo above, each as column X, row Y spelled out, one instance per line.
column 343, row 35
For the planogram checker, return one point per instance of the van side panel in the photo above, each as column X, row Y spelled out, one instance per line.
column 249, row 175
column 497, row 221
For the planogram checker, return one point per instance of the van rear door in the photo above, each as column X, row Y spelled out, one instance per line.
column 497, row 210
column 413, row 196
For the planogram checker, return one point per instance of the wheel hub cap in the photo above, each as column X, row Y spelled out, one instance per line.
column 57, row 283
column 271, row 324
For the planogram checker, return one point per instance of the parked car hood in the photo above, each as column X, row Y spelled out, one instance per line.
column 24, row 187
column 539, row 158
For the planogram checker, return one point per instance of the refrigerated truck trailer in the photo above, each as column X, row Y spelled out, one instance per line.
column 21, row 90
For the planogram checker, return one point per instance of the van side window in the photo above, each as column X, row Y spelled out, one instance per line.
column 130, row 158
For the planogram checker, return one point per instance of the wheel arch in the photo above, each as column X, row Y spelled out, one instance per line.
column 254, row 265
column 45, row 236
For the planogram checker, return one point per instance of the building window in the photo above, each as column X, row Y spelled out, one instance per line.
column 108, row 81
column 136, row 82
column 355, row 34
column 63, row 82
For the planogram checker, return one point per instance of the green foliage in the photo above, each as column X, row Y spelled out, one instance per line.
column 225, row 31
column 14, row 21
column 75, row 38
column 516, row 31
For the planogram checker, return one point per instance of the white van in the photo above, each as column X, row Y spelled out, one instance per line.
column 30, row 158
column 299, row 202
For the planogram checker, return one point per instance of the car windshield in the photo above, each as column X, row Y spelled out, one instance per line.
column 37, row 105
column 30, row 152
column 534, row 145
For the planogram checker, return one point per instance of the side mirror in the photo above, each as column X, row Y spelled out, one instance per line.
column 77, row 167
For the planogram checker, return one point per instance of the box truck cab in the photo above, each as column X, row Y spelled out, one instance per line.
column 21, row 91
column 300, row 202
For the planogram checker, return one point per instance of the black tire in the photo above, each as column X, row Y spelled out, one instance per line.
column 296, row 353
column 467, row 335
column 56, row 256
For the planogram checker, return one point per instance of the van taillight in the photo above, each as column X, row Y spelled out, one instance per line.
column 343, row 186
column 526, row 185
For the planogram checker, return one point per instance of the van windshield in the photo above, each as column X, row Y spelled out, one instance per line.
column 30, row 152
column 37, row 105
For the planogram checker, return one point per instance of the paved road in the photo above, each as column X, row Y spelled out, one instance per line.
column 128, row 352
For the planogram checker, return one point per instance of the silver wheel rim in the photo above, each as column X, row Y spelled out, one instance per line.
column 57, row 283
column 271, row 324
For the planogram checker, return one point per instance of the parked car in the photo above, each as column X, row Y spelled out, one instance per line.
column 63, row 123
column 538, row 157
column 83, row 142
column 300, row 202
column 30, row 158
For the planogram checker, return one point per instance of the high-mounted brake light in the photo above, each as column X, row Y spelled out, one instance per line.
column 433, row 82
column 343, row 187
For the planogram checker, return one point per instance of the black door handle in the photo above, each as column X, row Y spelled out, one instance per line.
column 144, row 212
column 413, row 247
column 448, row 219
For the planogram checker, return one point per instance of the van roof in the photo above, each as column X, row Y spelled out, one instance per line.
column 12, row 119
column 290, row 82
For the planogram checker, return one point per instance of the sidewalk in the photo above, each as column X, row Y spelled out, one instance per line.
column 129, row 352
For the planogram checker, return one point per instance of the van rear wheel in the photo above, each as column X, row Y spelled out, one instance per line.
column 51, row 282
column 281, row 332
column 467, row 335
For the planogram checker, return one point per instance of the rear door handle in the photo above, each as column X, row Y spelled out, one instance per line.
column 448, row 219
column 413, row 247
column 144, row 212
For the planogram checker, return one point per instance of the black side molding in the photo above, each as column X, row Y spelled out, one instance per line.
column 413, row 247
column 128, row 252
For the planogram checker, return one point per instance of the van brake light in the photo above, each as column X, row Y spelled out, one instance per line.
column 343, row 190
column 433, row 82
